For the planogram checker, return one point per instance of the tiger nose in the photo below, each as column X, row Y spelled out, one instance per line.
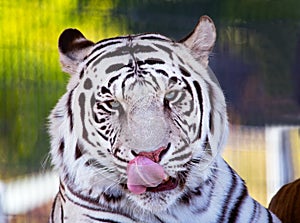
column 147, row 131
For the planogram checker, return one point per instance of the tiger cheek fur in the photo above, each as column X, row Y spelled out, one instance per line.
column 138, row 135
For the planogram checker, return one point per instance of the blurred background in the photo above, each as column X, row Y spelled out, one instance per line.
column 256, row 59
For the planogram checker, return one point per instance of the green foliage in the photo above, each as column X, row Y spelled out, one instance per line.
column 30, row 77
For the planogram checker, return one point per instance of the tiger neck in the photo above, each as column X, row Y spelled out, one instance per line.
column 102, row 201
column 77, row 204
column 70, row 206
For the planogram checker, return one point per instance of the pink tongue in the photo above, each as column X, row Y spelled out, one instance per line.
column 142, row 173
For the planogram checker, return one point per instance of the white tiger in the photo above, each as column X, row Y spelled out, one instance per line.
column 139, row 133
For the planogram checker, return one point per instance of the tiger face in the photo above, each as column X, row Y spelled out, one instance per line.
column 143, row 117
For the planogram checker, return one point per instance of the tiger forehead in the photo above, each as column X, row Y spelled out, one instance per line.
column 130, row 47
column 136, row 61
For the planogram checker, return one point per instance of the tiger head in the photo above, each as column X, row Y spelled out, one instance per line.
column 143, row 118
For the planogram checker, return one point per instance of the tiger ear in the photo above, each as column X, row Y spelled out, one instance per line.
column 202, row 39
column 73, row 47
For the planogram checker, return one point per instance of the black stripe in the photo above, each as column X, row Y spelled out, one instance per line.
column 200, row 99
column 184, row 72
column 61, row 147
column 61, row 191
column 188, row 87
column 105, row 90
column 100, row 153
column 111, row 80
column 92, row 59
column 103, row 127
column 62, row 213
column 191, row 107
column 270, row 218
column 102, row 135
column 208, row 195
column 57, row 115
column 114, row 67
column 107, row 42
column 181, row 157
column 115, row 153
column 254, row 211
column 179, row 150
column 180, row 59
column 229, row 195
column 153, row 83
column 212, row 100
column 78, row 151
column 81, row 74
column 94, row 163
column 211, row 126
column 113, row 139
column 108, row 54
column 81, row 102
column 61, row 196
column 121, row 167
column 173, row 80
column 235, row 211
column 111, row 198
column 157, row 218
column 102, row 108
column 101, row 219
column 69, row 106
column 98, row 120
column 124, row 81
column 166, row 49
column 120, row 51
column 153, row 61
column 162, row 72
column 93, row 201
column 53, row 209
column 179, row 125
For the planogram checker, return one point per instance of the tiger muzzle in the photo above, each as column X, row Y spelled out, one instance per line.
column 147, row 127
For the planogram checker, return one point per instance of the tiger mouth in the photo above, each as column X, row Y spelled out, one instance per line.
column 170, row 184
column 145, row 174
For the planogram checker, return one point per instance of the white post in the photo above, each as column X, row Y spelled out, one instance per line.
column 279, row 165
column 23, row 195
column 3, row 218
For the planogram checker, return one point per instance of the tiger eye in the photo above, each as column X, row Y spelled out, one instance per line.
column 170, row 95
column 114, row 104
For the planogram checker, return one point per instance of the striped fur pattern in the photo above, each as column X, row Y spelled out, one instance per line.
column 132, row 95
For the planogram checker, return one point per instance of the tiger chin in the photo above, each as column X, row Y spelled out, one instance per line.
column 138, row 135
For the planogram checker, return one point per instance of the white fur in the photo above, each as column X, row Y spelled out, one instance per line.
column 98, row 173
